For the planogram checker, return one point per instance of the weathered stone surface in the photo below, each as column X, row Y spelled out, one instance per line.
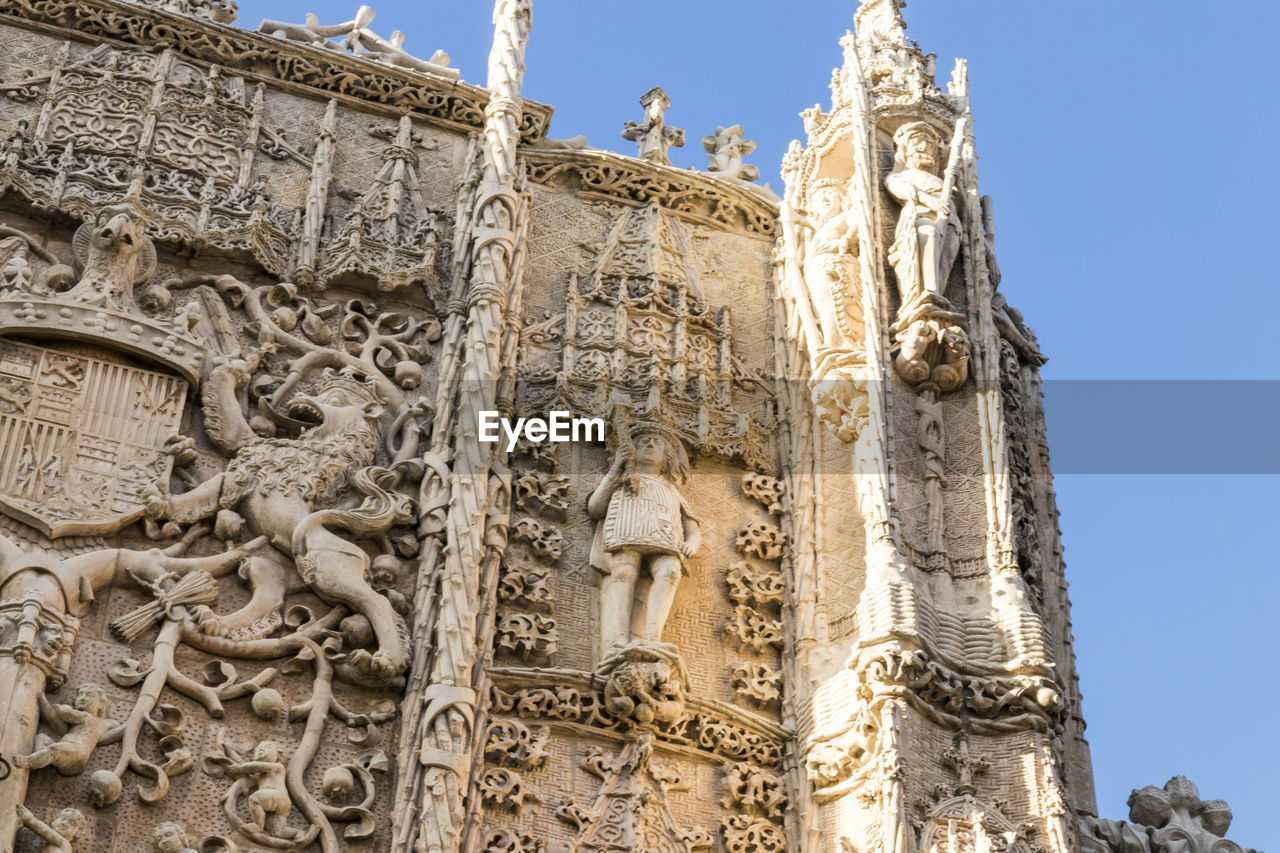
column 263, row 587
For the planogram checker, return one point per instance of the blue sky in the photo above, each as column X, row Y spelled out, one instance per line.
column 1129, row 149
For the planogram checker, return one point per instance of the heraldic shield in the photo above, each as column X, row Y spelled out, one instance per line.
column 82, row 437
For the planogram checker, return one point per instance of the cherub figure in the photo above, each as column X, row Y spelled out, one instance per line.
column 644, row 524
column 68, row 827
column 269, row 804
column 81, row 724
column 170, row 837
column 725, row 149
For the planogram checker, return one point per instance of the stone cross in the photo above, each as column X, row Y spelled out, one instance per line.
column 652, row 135
column 964, row 765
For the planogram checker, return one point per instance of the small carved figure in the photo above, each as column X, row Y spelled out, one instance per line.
column 115, row 254
column 726, row 148
column 269, row 803
column 652, row 135
column 63, row 835
column 927, row 238
column 170, row 837
column 84, row 722
column 830, row 272
column 645, row 691
column 645, row 524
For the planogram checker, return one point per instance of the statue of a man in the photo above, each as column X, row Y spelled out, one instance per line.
column 927, row 239
column 645, row 526
column 830, row 269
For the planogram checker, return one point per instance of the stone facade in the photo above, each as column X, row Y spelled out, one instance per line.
column 263, row 587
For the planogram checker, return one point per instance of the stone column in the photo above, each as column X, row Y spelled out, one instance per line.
column 35, row 651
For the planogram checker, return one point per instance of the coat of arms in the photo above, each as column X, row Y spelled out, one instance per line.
column 81, row 438
column 82, row 429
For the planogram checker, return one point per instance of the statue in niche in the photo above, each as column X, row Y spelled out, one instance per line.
column 927, row 238
column 645, row 532
column 829, row 270
column 646, row 527
column 63, row 835
column 81, row 724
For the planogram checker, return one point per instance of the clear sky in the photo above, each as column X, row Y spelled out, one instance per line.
column 1136, row 233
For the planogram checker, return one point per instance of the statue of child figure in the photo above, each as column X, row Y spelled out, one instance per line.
column 646, row 527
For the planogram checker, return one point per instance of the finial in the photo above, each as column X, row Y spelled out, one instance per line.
column 652, row 135
column 726, row 148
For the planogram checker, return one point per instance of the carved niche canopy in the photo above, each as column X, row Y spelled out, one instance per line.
column 637, row 330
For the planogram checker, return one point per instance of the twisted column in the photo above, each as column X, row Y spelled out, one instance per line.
column 442, row 730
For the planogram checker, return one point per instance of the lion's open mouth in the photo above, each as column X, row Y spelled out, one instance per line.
column 303, row 409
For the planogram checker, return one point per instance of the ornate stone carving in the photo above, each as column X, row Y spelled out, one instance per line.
column 449, row 101
column 62, row 834
column 528, row 635
column 506, row 841
column 751, row 628
column 637, row 336
column 645, row 526
column 81, row 727
column 754, row 791
column 762, row 540
column 645, row 684
column 759, row 682
column 744, row 834
column 631, row 812
column 652, row 136
column 712, row 729
column 963, row 823
column 354, row 411
column 1163, row 820
column 355, row 37
column 170, row 837
column 390, row 234
column 544, row 539
column 726, row 148
column 769, row 491
column 512, row 742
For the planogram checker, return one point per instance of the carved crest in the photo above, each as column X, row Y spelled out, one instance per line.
column 81, row 438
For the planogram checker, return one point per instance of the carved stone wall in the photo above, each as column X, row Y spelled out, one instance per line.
column 263, row 586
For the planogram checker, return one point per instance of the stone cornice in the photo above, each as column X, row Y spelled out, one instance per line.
column 719, row 203
column 428, row 96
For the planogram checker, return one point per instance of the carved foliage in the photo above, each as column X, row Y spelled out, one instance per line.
column 701, row 731
column 525, row 625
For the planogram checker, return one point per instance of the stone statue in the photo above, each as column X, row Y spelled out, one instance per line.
column 269, row 802
column 115, row 254
column 645, row 525
column 63, row 835
column 83, row 724
column 170, row 837
column 830, row 270
column 927, row 238
column 725, row 149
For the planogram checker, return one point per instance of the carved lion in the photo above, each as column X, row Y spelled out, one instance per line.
column 292, row 490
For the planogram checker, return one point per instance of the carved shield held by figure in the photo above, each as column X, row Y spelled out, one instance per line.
column 81, row 437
